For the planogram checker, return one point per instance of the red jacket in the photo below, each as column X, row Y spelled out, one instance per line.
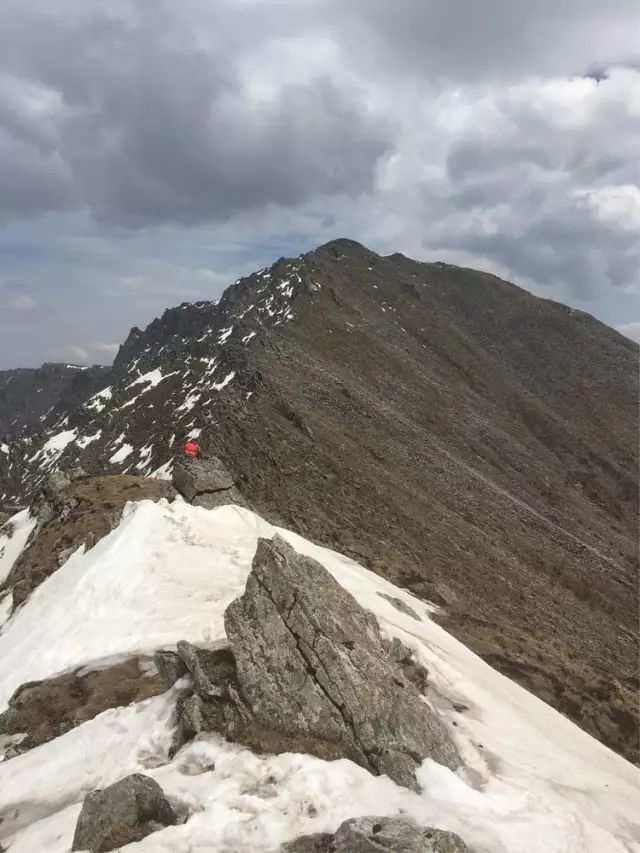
column 192, row 450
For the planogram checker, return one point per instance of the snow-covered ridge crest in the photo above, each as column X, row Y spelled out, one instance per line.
column 532, row 780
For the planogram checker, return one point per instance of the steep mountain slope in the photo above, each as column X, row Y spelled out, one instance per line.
column 530, row 780
column 31, row 401
column 29, row 397
column 448, row 430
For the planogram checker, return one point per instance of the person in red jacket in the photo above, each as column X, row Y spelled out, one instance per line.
column 192, row 449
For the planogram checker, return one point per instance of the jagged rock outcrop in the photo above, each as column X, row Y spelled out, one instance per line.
column 40, row 711
column 379, row 835
column 413, row 671
column 209, row 668
column 122, row 814
column 311, row 663
column 170, row 666
column 307, row 671
column 33, row 397
column 206, row 482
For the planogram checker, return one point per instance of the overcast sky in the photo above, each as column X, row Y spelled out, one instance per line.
column 151, row 152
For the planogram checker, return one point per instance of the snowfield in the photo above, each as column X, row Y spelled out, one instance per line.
column 532, row 783
column 13, row 538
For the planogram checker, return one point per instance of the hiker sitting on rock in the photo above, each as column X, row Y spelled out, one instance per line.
column 192, row 449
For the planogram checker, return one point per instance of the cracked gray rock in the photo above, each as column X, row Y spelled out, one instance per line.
column 379, row 835
column 311, row 665
column 170, row 666
column 206, row 483
column 212, row 669
column 403, row 657
column 121, row 814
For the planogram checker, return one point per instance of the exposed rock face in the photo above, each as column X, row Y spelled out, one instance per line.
column 311, row 664
column 170, row 666
column 380, row 835
column 121, row 814
column 32, row 397
column 206, row 482
column 209, row 668
column 43, row 710
column 43, row 506
column 413, row 671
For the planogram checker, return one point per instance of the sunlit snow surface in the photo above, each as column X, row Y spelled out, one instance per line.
column 533, row 783
column 13, row 536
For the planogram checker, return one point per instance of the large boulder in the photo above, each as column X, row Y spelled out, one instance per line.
column 206, row 482
column 121, row 814
column 380, row 835
column 311, row 665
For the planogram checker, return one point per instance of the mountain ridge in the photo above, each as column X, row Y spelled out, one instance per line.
column 462, row 437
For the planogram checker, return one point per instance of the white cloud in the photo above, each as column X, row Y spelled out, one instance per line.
column 202, row 127
column 109, row 350
column 91, row 353
column 630, row 330
column 76, row 354
column 22, row 302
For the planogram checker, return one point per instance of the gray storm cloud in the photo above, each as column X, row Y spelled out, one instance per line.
column 503, row 134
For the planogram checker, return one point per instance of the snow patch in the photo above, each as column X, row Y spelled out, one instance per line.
column 163, row 472
column 224, row 335
column 53, row 448
column 86, row 440
column 145, row 456
column 13, row 537
column 189, row 402
column 153, row 378
column 98, row 401
column 121, row 454
column 218, row 386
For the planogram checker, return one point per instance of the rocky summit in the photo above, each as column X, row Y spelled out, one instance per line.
column 468, row 441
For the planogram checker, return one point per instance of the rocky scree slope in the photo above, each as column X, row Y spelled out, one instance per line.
column 467, row 440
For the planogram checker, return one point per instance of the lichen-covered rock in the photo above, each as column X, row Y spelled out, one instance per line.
column 121, row 814
column 403, row 657
column 170, row 666
column 212, row 500
column 212, row 669
column 311, row 664
column 206, row 482
column 380, row 835
column 195, row 715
